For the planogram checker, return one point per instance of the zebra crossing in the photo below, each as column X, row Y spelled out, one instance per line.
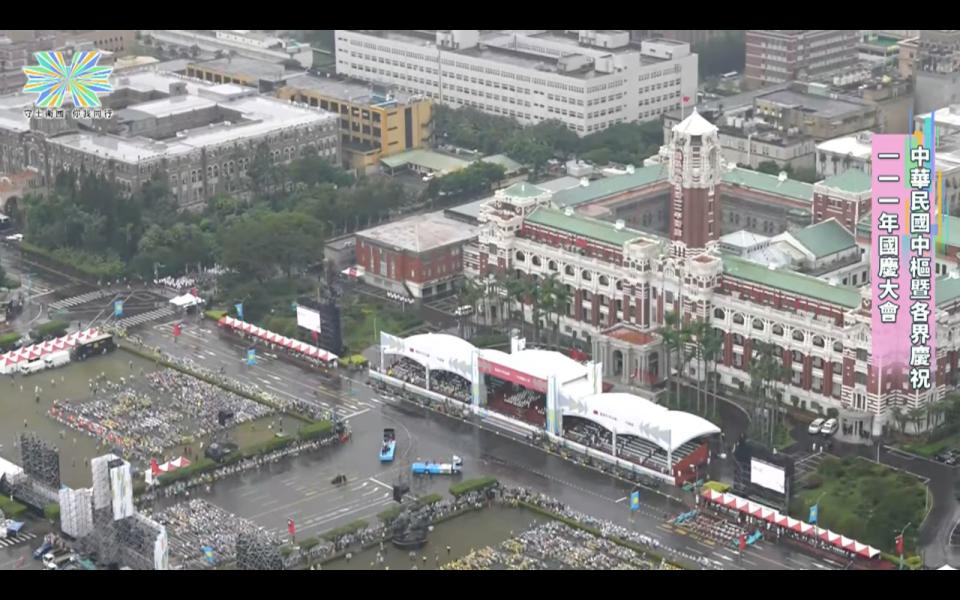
column 78, row 300
column 17, row 539
column 153, row 315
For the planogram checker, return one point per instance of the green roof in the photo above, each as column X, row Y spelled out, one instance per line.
column 609, row 186
column 434, row 161
column 509, row 165
column 825, row 238
column 851, row 180
column 946, row 289
column 763, row 182
column 524, row 190
column 789, row 281
column 594, row 229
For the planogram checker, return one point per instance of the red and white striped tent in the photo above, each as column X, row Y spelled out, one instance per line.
column 9, row 360
column 156, row 470
column 770, row 515
column 280, row 340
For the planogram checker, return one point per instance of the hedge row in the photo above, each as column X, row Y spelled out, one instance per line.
column 50, row 328
column 472, row 485
column 716, row 486
column 52, row 511
column 308, row 543
column 912, row 563
column 8, row 341
column 11, row 508
column 394, row 512
column 346, row 529
column 315, row 430
column 215, row 315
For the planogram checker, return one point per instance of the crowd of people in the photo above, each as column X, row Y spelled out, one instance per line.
column 176, row 283
column 197, row 524
column 450, row 385
column 523, row 399
column 409, row 371
column 148, row 415
column 555, row 545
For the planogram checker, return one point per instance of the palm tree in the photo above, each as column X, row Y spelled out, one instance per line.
column 468, row 294
column 516, row 290
column 712, row 348
column 559, row 299
column 698, row 329
column 765, row 372
column 915, row 415
column 676, row 337
column 898, row 417
column 533, row 289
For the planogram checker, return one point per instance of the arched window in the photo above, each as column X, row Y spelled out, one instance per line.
column 777, row 329
column 568, row 270
column 738, row 319
column 818, row 341
column 585, row 275
column 604, row 280
column 798, row 335
column 758, row 324
column 719, row 314
column 619, row 285
column 552, row 265
column 838, row 346
column 535, row 260
column 520, row 256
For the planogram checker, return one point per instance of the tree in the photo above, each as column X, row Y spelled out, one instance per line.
column 676, row 337
column 915, row 416
column 712, row 347
column 194, row 51
column 530, row 152
column 770, row 167
column 555, row 135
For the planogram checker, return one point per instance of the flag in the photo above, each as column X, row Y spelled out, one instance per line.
column 239, row 307
column 686, row 99
column 118, row 308
column 176, row 330
column 251, row 357
column 635, row 500
column 291, row 528
column 208, row 554
column 899, row 544
column 814, row 513
column 314, row 335
column 743, row 542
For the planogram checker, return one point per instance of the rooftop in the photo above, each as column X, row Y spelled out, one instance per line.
column 743, row 239
column 420, row 233
column 242, row 66
column 825, row 238
column 509, row 165
column 789, row 281
column 695, row 125
column 853, row 181
column 946, row 289
column 601, row 231
column 771, row 184
column 610, row 186
column 349, row 90
column 471, row 210
column 630, row 334
column 427, row 159
column 852, row 145
column 524, row 190
column 823, row 106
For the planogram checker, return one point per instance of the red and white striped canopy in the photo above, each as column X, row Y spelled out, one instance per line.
column 275, row 338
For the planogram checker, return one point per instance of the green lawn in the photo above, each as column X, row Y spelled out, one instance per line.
column 362, row 321
column 863, row 500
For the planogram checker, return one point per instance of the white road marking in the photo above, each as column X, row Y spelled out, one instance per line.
column 378, row 482
column 621, row 500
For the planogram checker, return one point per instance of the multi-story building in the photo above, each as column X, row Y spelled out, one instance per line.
column 620, row 277
column 249, row 38
column 932, row 59
column 417, row 257
column 844, row 153
column 782, row 124
column 374, row 124
column 588, row 79
column 781, row 55
column 694, row 37
column 202, row 136
column 261, row 75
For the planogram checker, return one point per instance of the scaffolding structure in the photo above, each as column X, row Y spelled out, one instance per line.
column 40, row 460
column 256, row 552
column 76, row 512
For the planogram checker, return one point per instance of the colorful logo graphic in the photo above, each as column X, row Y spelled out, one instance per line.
column 55, row 81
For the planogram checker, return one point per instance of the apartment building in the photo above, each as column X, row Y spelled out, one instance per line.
column 933, row 60
column 780, row 55
column 587, row 79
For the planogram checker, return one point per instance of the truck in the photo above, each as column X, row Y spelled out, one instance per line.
column 57, row 559
column 435, row 468
column 50, row 361
column 389, row 447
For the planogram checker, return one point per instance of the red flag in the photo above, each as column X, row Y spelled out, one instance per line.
column 314, row 335
column 743, row 542
column 686, row 99
column 193, row 292
column 899, row 543
column 176, row 330
column 291, row 528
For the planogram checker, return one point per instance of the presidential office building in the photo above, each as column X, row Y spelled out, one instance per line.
column 201, row 135
column 804, row 289
column 588, row 79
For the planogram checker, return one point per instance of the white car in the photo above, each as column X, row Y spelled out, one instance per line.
column 830, row 427
column 17, row 237
column 814, row 428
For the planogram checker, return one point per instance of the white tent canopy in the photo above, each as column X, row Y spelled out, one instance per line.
column 626, row 414
column 436, row 351
column 186, row 301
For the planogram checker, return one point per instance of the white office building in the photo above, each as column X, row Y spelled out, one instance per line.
column 588, row 79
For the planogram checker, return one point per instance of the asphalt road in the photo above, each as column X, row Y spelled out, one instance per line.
column 300, row 488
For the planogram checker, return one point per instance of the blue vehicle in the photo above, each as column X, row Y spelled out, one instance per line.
column 435, row 468
column 45, row 547
column 389, row 447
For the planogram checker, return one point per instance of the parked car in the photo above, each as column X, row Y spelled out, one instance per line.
column 830, row 427
column 43, row 549
column 814, row 428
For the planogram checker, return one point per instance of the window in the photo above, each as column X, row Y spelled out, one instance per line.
column 568, row 270
column 738, row 319
column 758, row 324
column 586, row 276
column 837, row 347
column 798, row 335
column 535, row 260
column 520, row 256
column 552, row 265
column 604, row 281
column 818, row 341
column 777, row 330
column 719, row 314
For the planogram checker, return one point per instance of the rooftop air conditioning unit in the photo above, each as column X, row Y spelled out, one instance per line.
column 568, row 211
column 619, row 225
column 584, row 182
